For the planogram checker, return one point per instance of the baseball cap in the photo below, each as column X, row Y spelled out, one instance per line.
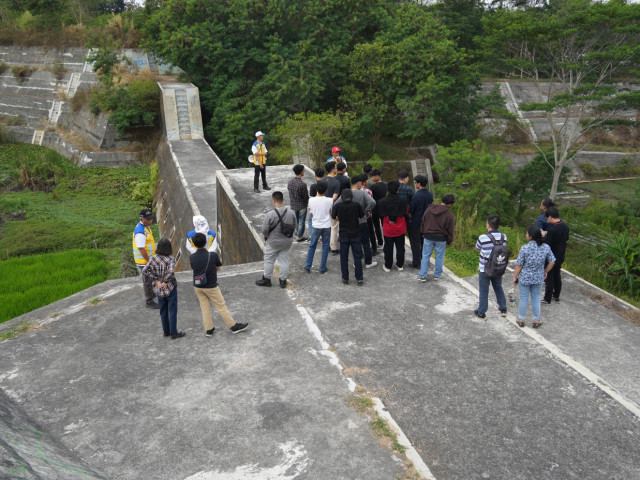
column 335, row 149
column 259, row 133
column 146, row 214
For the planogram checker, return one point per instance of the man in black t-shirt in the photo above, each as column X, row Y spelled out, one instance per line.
column 209, row 263
column 379, row 190
column 349, row 214
column 557, row 237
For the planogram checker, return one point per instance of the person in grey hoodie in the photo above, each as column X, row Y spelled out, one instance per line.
column 438, row 224
column 278, row 244
column 368, row 204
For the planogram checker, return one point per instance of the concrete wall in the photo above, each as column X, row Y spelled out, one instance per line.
column 27, row 452
column 238, row 242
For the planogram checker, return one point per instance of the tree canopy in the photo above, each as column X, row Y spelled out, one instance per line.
column 257, row 63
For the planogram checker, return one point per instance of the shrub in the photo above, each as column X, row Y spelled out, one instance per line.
column 22, row 72
column 57, row 69
column 3, row 68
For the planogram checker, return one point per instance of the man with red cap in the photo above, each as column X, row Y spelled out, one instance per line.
column 336, row 157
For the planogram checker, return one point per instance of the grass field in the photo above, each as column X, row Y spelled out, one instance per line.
column 50, row 211
column 28, row 283
column 612, row 190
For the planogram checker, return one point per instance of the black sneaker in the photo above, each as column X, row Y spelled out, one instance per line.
column 545, row 302
column 557, row 300
column 360, row 283
column 266, row 187
column 283, row 283
column 256, row 190
column 264, row 282
column 345, row 281
column 324, row 271
column 335, row 252
column 209, row 333
column 239, row 327
column 178, row 335
column 308, row 270
column 167, row 334
column 503, row 313
column 478, row 315
column 152, row 305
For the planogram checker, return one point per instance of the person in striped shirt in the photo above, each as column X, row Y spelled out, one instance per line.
column 484, row 245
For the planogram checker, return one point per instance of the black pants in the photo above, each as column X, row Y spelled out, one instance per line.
column 553, row 283
column 377, row 226
column 415, row 239
column 389, row 242
column 372, row 235
column 257, row 172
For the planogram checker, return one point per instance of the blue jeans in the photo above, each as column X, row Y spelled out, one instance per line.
column 301, row 216
column 356, row 250
column 169, row 312
column 316, row 233
column 310, row 226
column 427, row 249
column 535, row 291
column 483, row 287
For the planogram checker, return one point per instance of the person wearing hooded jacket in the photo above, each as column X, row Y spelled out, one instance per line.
column 393, row 210
column 201, row 225
column 438, row 225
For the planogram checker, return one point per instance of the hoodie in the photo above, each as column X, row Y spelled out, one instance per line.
column 438, row 224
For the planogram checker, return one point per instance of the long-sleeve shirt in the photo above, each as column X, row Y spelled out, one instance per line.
column 298, row 194
column 161, row 270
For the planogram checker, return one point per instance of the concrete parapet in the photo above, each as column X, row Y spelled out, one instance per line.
column 29, row 453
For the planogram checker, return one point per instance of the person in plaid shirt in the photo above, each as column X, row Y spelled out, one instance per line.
column 299, row 200
column 160, row 269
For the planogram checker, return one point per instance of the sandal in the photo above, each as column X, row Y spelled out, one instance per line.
column 520, row 323
column 536, row 324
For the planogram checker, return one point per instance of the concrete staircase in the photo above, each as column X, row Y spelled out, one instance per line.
column 182, row 108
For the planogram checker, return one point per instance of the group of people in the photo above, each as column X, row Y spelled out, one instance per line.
column 157, row 267
column 538, row 264
column 356, row 215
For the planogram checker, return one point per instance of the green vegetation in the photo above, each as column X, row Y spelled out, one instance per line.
column 27, row 283
column 14, row 332
column 72, row 225
column 624, row 168
column 381, row 429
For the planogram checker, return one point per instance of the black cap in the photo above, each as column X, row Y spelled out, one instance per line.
column 146, row 214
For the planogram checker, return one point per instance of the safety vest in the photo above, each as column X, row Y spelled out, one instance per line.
column 260, row 148
column 150, row 245
column 211, row 236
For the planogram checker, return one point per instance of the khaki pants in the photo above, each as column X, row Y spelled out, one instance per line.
column 335, row 240
column 205, row 297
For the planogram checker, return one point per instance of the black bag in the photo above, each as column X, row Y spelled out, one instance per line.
column 498, row 260
column 286, row 229
column 200, row 281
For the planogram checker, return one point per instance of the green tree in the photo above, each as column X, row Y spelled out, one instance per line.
column 479, row 179
column 571, row 51
column 310, row 135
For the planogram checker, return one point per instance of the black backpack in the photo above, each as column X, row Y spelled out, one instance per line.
column 287, row 229
column 498, row 258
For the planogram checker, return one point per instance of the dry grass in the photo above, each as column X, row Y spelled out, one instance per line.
column 19, row 330
column 11, row 120
column 75, row 139
column 350, row 371
column 630, row 314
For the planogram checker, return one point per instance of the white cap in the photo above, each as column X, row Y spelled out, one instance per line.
column 259, row 134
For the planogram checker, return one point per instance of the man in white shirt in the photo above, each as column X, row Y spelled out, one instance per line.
column 320, row 208
column 259, row 150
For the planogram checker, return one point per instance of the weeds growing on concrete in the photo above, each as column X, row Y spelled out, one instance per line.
column 361, row 403
column 22, row 72
column 15, row 332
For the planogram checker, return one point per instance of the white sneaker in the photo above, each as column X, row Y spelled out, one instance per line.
column 386, row 269
column 371, row 265
column 399, row 268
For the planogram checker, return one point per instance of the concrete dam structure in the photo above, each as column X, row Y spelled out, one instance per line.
column 91, row 388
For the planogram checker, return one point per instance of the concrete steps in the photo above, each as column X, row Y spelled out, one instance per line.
column 182, row 108
column 88, row 66
column 72, row 86
column 38, row 135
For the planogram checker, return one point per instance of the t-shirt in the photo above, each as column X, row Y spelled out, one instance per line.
column 485, row 245
column 320, row 208
column 313, row 189
column 349, row 214
column 199, row 263
column 333, row 187
column 557, row 238
column 344, row 181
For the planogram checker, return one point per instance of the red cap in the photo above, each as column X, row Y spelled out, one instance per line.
column 335, row 149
